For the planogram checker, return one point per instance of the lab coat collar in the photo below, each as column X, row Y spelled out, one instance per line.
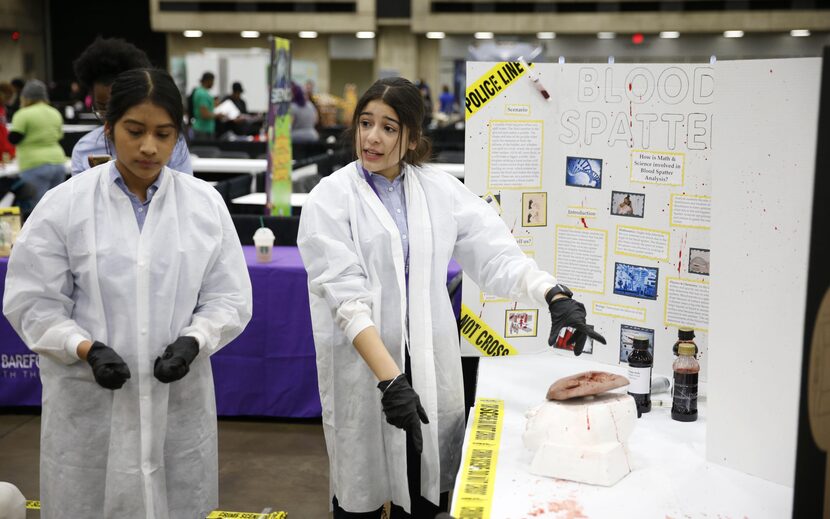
column 116, row 177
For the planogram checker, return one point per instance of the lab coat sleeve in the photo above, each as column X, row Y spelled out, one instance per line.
column 225, row 303
column 39, row 284
column 334, row 269
column 489, row 254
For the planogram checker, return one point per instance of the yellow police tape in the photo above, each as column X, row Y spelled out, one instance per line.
column 216, row 514
column 490, row 84
column 479, row 334
column 478, row 474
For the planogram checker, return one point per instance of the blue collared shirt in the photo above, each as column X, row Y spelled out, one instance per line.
column 139, row 208
column 96, row 143
column 393, row 198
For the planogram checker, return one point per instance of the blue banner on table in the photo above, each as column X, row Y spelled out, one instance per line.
column 278, row 180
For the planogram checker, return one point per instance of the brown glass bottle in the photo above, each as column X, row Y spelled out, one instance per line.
column 686, row 370
column 640, row 362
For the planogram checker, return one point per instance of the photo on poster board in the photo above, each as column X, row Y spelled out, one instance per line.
column 699, row 261
column 635, row 280
column 583, row 172
column 627, row 333
column 624, row 203
column 521, row 323
column 534, row 209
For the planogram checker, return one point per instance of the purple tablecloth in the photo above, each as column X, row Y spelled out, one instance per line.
column 269, row 370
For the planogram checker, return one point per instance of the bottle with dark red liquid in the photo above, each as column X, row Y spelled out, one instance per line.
column 640, row 362
column 686, row 370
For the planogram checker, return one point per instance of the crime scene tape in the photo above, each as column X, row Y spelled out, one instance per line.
column 490, row 84
column 216, row 514
column 478, row 473
column 479, row 334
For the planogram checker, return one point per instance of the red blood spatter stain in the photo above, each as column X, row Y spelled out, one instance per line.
column 571, row 509
column 584, row 223
column 629, row 87
column 588, row 419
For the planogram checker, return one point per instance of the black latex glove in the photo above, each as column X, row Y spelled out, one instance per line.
column 402, row 407
column 569, row 312
column 175, row 362
column 108, row 368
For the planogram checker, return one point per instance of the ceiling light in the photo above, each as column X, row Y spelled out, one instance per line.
column 192, row 34
column 733, row 34
column 249, row 34
column 436, row 35
column 545, row 35
column 307, row 34
column 799, row 33
column 365, row 35
column 483, row 35
column 669, row 35
column 606, row 35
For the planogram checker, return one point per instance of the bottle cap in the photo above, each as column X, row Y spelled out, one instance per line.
column 686, row 349
column 640, row 341
column 685, row 334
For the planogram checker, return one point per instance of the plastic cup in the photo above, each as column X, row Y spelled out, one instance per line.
column 264, row 243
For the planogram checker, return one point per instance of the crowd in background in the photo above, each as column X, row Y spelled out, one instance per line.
column 32, row 114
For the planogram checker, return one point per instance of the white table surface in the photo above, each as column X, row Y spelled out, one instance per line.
column 11, row 169
column 79, row 128
column 670, row 476
column 297, row 199
column 230, row 166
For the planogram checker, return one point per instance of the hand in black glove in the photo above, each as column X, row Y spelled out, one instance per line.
column 175, row 362
column 568, row 312
column 403, row 408
column 108, row 368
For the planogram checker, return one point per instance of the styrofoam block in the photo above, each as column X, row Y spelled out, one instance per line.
column 582, row 439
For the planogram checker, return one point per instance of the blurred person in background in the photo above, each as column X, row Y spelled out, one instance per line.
column 96, row 69
column 245, row 123
column 304, row 117
column 447, row 101
column 6, row 147
column 235, row 97
column 13, row 104
column 37, row 129
column 203, row 120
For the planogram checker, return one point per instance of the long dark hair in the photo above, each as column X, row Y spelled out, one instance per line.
column 405, row 98
column 137, row 86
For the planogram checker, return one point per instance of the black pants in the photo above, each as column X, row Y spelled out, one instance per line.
column 422, row 508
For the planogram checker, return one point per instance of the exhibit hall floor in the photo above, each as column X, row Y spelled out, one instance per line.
column 262, row 464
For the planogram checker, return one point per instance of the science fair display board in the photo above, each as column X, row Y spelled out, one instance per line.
column 278, row 181
column 603, row 175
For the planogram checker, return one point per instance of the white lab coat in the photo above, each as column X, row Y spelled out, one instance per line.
column 81, row 269
column 352, row 252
